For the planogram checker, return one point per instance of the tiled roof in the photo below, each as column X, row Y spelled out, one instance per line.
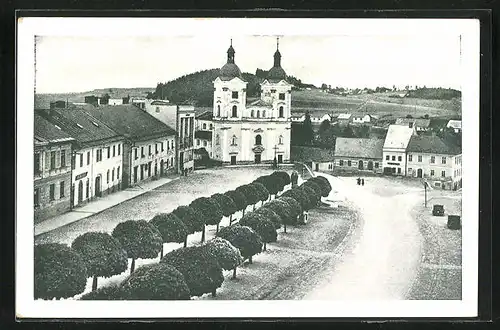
column 132, row 122
column 455, row 124
column 344, row 116
column 207, row 115
column 420, row 122
column 308, row 154
column 398, row 136
column 80, row 125
column 204, row 135
column 431, row 144
column 45, row 131
column 359, row 148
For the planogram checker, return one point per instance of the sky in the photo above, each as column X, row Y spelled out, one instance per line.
column 79, row 63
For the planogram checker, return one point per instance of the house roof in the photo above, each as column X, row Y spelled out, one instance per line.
column 420, row 122
column 344, row 116
column 80, row 125
column 359, row 148
column 204, row 135
column 160, row 102
column 431, row 144
column 207, row 115
column 455, row 124
column 308, row 154
column 398, row 136
column 132, row 122
column 45, row 131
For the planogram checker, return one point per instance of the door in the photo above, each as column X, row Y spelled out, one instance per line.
column 80, row 192
column 181, row 161
column 317, row 167
column 370, row 165
column 360, row 165
column 419, row 173
column 156, row 169
column 393, row 170
column 98, row 186
column 257, row 158
column 280, row 159
column 135, row 174
column 233, row 160
column 161, row 167
column 142, row 172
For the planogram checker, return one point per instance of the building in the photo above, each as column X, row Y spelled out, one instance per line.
column 361, row 119
column 186, row 147
column 356, row 154
column 420, row 124
column 431, row 158
column 203, row 133
column 394, row 149
column 344, row 119
column 456, row 125
column 149, row 144
column 254, row 133
column 96, row 159
column 204, row 121
column 52, row 169
column 298, row 118
column 318, row 159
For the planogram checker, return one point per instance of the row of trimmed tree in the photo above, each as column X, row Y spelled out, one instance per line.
column 62, row 271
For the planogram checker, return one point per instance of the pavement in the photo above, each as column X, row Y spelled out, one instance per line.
column 99, row 205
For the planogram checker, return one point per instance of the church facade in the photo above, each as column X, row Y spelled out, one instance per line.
column 257, row 132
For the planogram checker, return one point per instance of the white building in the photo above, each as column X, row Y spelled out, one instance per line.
column 204, row 131
column 456, row 125
column 252, row 133
column 115, row 101
column 394, row 150
column 420, row 124
column 361, row 119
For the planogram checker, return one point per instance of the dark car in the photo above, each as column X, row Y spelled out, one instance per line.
column 438, row 210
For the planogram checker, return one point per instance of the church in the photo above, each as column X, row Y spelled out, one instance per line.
column 257, row 132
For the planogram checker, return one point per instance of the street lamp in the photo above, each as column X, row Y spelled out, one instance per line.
column 425, row 194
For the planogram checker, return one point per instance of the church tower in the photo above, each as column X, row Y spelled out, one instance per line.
column 229, row 90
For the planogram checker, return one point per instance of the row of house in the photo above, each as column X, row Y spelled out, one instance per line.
column 341, row 119
column 85, row 152
column 402, row 153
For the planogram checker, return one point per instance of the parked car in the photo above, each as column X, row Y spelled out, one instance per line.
column 438, row 210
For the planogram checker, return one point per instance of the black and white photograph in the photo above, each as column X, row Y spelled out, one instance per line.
column 247, row 167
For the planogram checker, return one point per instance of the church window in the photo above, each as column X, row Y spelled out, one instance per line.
column 235, row 95
column 251, row 113
column 218, row 110
column 258, row 113
column 258, row 140
column 281, row 114
column 263, row 113
column 235, row 111
column 280, row 139
column 233, row 140
column 282, row 96
column 217, row 139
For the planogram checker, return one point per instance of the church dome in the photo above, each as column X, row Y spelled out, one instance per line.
column 229, row 71
column 276, row 73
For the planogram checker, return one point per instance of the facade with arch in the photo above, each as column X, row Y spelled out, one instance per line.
column 261, row 129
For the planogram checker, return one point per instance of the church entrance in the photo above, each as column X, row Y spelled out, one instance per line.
column 280, row 159
column 233, row 160
column 257, row 158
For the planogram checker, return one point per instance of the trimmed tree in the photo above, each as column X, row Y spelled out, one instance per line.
column 282, row 209
column 284, row 177
column 156, row 282
column 238, row 199
column 60, row 271
column 271, row 183
column 171, row 228
column 139, row 238
column 227, row 205
column 210, row 210
column 312, row 196
column 110, row 292
column 270, row 215
column 191, row 218
column 103, row 255
column 228, row 256
column 315, row 187
column 244, row 238
column 262, row 192
column 201, row 270
column 262, row 226
column 324, row 185
column 295, row 208
column 250, row 193
column 300, row 196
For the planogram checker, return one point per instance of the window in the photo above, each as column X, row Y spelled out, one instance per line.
column 205, row 143
column 149, row 169
column 52, row 160
column 119, row 149
column 162, row 149
column 330, row 166
column 52, row 192
column 113, row 175
column 204, row 126
column 264, row 113
column 149, row 150
column 107, row 176
column 399, row 170
column 410, row 158
column 157, row 109
column 88, row 158
column 109, row 152
column 341, row 162
column 142, row 152
column 399, row 158
column 63, row 158
column 251, row 113
column 61, row 189
column 443, row 160
column 36, row 163
column 258, row 140
column 280, row 139
column 211, row 127
column 87, row 186
column 217, row 139
column 258, row 113
column 37, row 197
column 432, row 172
column 349, row 163
column 118, row 173
column 235, row 111
column 233, row 140
column 282, row 96
column 197, row 142
column 114, row 150
column 81, row 160
column 393, row 158
column 376, row 165
column 135, row 153
column 433, row 159
column 99, row 155
column 387, row 157
column 281, row 112
column 443, row 173
column 235, row 95
column 218, row 110
column 420, row 158
column 156, row 148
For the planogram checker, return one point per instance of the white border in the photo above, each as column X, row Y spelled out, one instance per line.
column 29, row 27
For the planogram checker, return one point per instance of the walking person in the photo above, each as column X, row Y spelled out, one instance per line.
column 358, row 181
column 362, row 182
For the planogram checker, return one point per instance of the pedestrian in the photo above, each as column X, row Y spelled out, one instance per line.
column 362, row 182
column 359, row 181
